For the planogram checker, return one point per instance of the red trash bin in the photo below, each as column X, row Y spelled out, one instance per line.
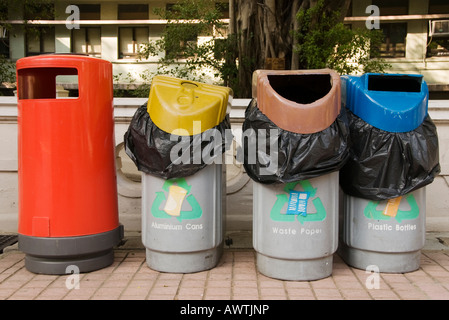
column 68, row 208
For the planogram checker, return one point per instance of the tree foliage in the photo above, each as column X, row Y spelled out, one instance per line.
column 325, row 42
column 306, row 34
column 32, row 10
column 193, row 42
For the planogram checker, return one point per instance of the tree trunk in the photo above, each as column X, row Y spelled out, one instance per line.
column 264, row 30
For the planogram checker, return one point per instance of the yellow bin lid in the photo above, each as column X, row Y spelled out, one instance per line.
column 184, row 107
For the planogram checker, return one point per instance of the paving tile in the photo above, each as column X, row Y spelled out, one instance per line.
column 241, row 291
column 383, row 294
column 234, row 278
column 411, row 294
column 326, row 283
column 355, row 294
column 158, row 296
column 106, row 293
column 300, row 294
column 327, row 294
column 5, row 293
column 186, row 293
column 52, row 294
column 217, row 291
column 136, row 291
column 26, row 293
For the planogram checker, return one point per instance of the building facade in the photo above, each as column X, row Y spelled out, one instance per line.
column 416, row 37
column 111, row 30
column 416, row 34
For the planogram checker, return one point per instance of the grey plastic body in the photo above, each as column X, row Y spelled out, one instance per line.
column 59, row 255
column 183, row 220
column 296, row 246
column 392, row 242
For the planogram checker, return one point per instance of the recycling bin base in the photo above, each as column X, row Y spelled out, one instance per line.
column 45, row 255
column 384, row 261
column 388, row 234
column 184, row 262
column 302, row 270
column 295, row 227
column 182, row 220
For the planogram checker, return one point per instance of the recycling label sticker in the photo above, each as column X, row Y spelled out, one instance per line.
column 297, row 202
column 391, row 209
column 175, row 192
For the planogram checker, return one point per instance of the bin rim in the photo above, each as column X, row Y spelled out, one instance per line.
column 60, row 60
column 388, row 110
column 314, row 117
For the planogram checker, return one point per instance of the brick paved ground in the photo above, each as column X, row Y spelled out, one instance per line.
column 235, row 278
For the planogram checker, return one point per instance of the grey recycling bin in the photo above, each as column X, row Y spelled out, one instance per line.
column 182, row 220
column 393, row 157
column 295, row 146
column 177, row 141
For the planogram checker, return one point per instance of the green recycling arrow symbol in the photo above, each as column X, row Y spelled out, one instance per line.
column 281, row 199
column 196, row 211
column 372, row 213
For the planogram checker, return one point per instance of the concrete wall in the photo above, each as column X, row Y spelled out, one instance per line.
column 239, row 186
column 239, row 209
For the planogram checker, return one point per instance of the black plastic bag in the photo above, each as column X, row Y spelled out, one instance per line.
column 167, row 156
column 291, row 156
column 384, row 165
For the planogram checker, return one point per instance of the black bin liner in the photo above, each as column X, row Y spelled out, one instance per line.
column 150, row 148
column 299, row 156
column 384, row 165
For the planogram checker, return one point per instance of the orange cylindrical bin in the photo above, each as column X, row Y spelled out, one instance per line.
column 68, row 208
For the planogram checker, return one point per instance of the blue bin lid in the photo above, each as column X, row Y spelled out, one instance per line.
column 391, row 102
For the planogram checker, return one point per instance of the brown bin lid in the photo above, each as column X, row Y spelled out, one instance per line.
column 301, row 101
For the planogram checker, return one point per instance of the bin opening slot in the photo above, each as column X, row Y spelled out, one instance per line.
column 394, row 83
column 301, row 88
column 47, row 83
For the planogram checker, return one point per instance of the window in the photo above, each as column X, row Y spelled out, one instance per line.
column 392, row 7
column 4, row 33
column 87, row 40
column 132, row 38
column 438, row 45
column 223, row 8
column 181, row 39
column 395, row 35
column 40, row 40
column 180, row 44
column 132, row 11
column 34, row 10
column 438, row 6
column 89, row 11
column 4, row 42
